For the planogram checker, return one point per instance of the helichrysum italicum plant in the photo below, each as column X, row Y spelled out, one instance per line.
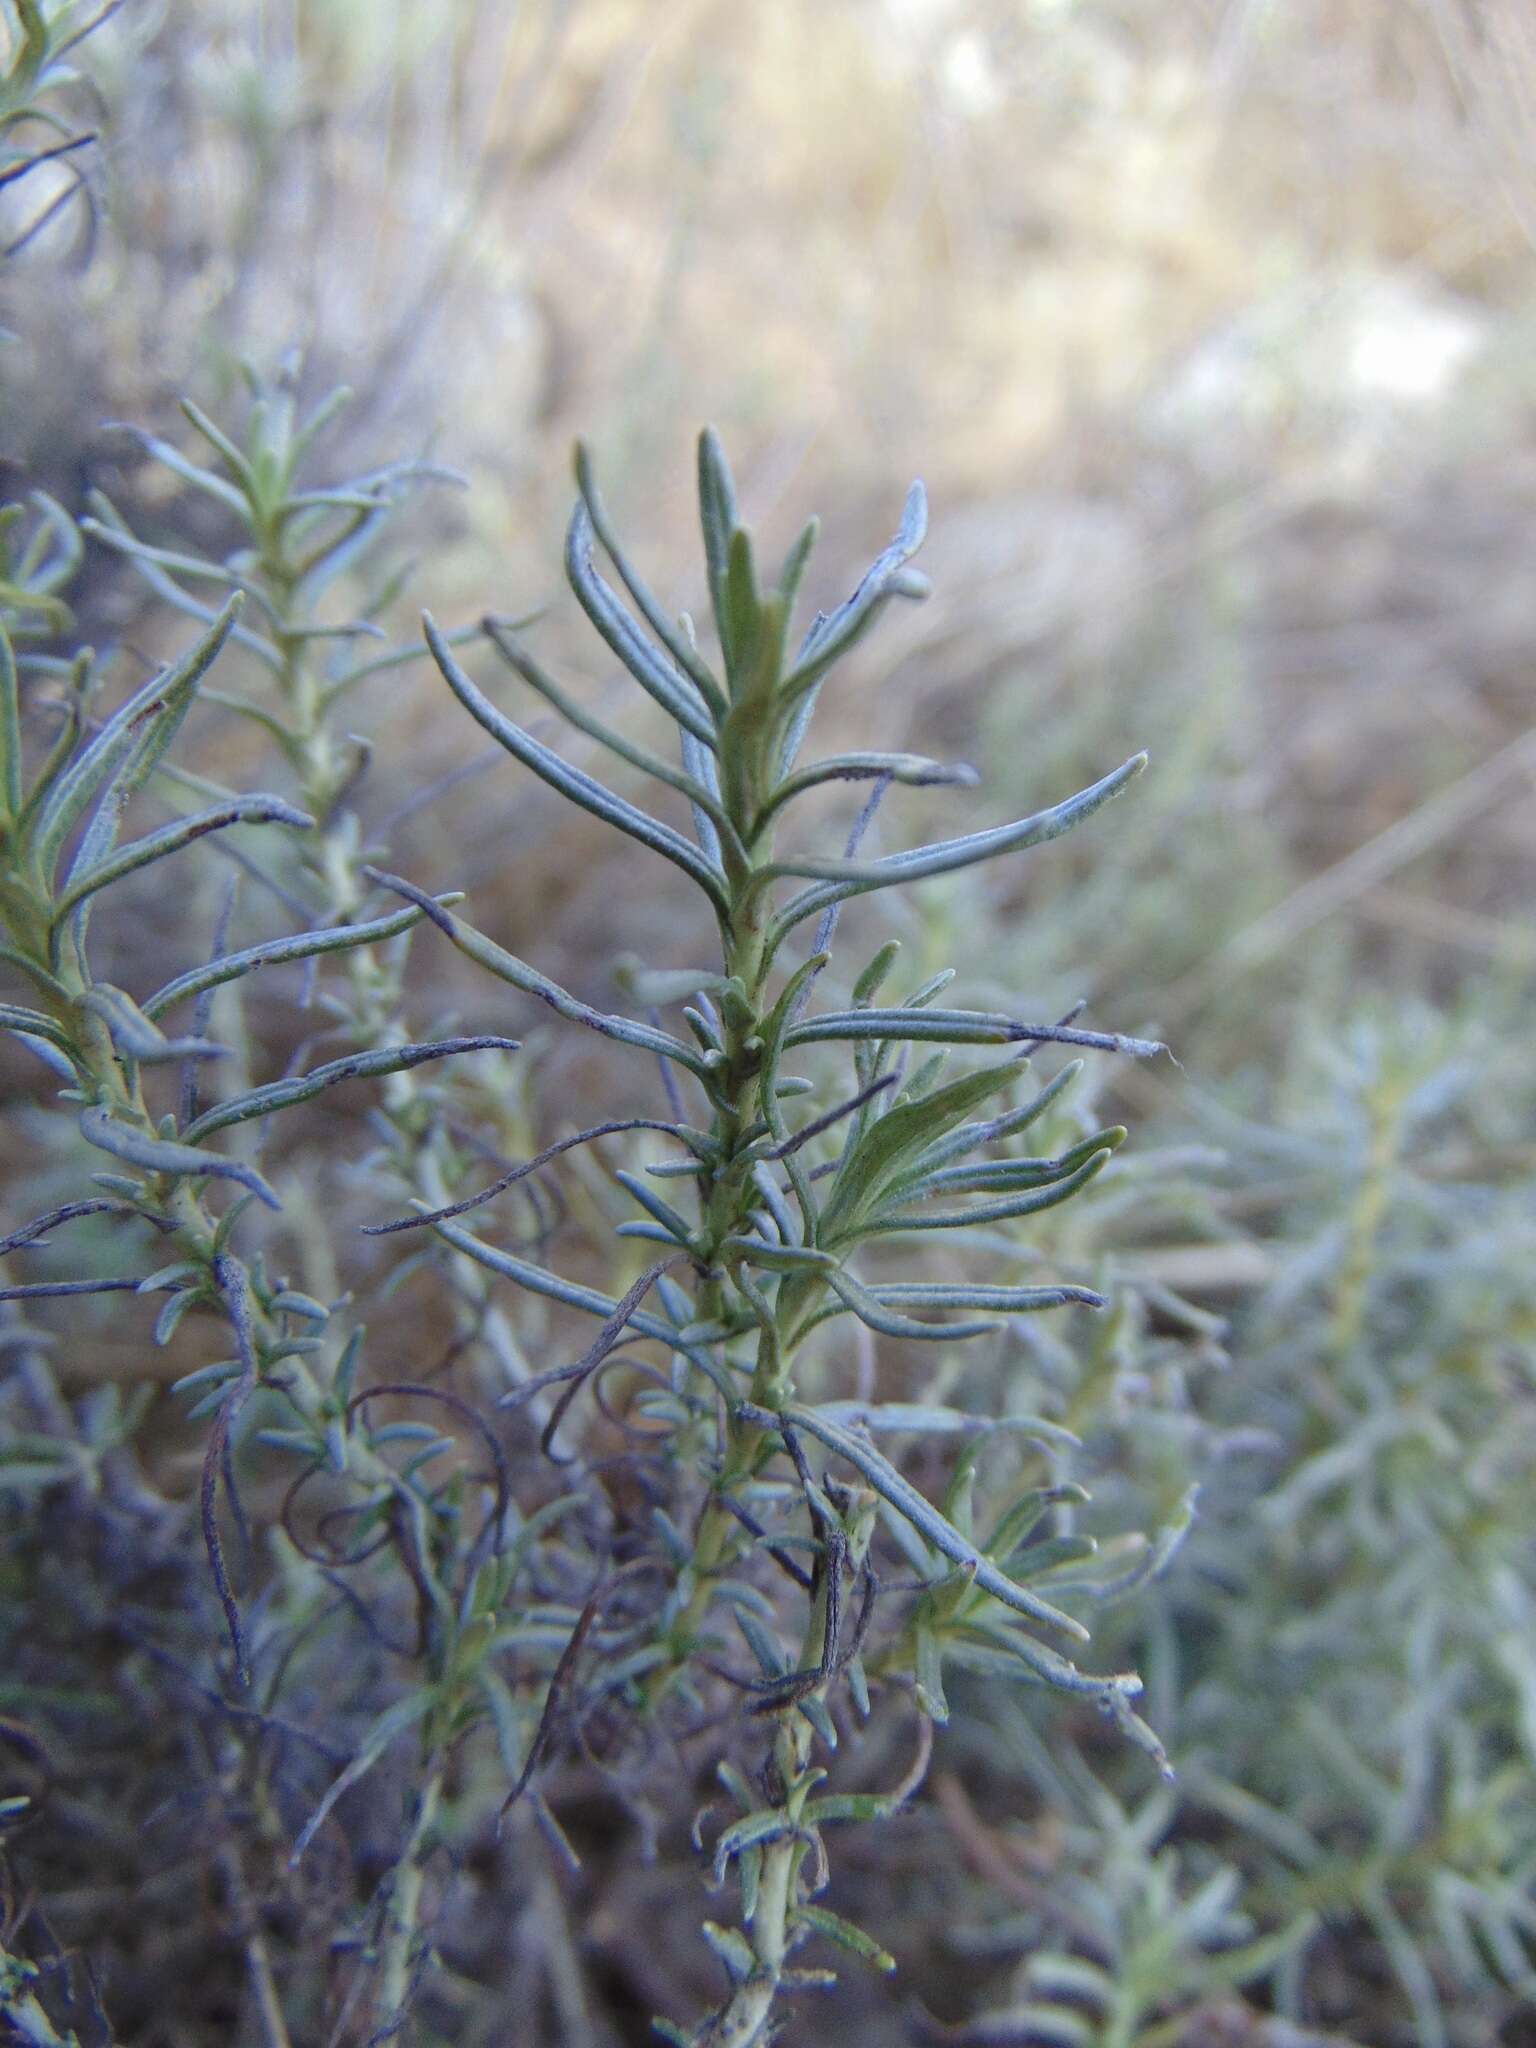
column 1368, row 1677
column 778, row 1215
column 792, row 1208
column 1133, row 1938
column 1344, row 1661
column 166, row 1158
column 300, row 538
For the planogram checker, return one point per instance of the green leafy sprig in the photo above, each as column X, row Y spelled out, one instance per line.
column 772, row 1243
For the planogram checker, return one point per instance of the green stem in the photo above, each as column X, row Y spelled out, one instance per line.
column 727, row 1195
column 402, row 1904
column 115, row 1084
column 333, row 860
column 743, row 2021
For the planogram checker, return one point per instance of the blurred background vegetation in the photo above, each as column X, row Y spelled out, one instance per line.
column 1209, row 324
column 1208, row 327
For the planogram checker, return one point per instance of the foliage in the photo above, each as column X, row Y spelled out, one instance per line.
column 1343, row 1664
column 1131, row 1944
column 138, row 1090
column 1377, row 1617
column 762, row 1262
column 41, row 37
column 1342, row 1658
column 1274, row 523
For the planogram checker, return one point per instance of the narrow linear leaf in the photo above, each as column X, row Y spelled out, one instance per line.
column 179, row 465
column 676, row 1226
column 928, row 1676
column 960, row 1027
column 778, row 1258
column 220, row 442
column 159, row 703
column 842, row 879
column 1002, row 1175
column 274, row 952
column 871, row 1310
column 735, row 1952
column 768, row 1824
column 1008, row 1300
column 139, row 853
column 391, row 1724
column 10, row 730
column 677, row 695
column 110, row 528
column 573, row 783
column 903, row 1496
column 887, row 576
column 43, row 1290
column 675, row 642
column 507, row 967
column 915, row 771
column 1039, row 1661
column 972, row 1137
column 33, row 1024
column 835, row 1928
column 356, row 1066
column 163, row 1156
column 538, row 1280
column 717, row 520
column 687, row 783
column 890, row 1140
column 888, row 1221
column 1019, row 1520
column 136, row 1036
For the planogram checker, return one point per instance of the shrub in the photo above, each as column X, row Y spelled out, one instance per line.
column 751, row 1503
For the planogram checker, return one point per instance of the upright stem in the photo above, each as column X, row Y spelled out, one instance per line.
column 728, row 1202
column 333, row 858
column 727, row 1198
column 741, row 2024
column 402, row 1905
column 116, row 1087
